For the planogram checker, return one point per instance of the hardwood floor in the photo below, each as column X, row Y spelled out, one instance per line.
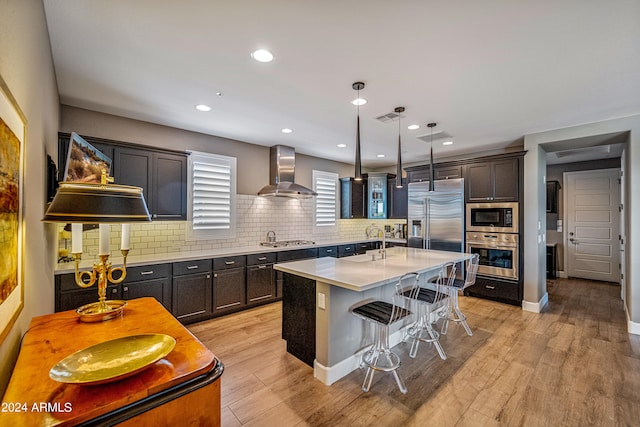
column 572, row 365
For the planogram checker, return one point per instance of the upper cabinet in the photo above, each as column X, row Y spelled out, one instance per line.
column 353, row 198
column 162, row 177
column 492, row 181
column 162, row 174
column 378, row 195
column 397, row 199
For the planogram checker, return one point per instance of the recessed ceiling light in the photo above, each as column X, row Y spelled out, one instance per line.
column 341, row 145
column 203, row 107
column 286, row 130
column 380, row 155
column 413, row 127
column 262, row 55
column 359, row 101
column 447, row 143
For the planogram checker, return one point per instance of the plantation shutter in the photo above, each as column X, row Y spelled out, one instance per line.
column 325, row 184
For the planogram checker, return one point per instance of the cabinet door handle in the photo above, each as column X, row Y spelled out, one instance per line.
column 262, row 258
column 146, row 273
column 115, row 291
column 126, row 289
column 329, row 251
column 489, row 287
column 215, row 274
column 192, row 267
column 262, row 266
column 229, row 262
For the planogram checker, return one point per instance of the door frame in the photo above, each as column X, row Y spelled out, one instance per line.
column 565, row 213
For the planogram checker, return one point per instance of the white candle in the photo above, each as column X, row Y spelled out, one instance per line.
column 104, row 239
column 76, row 238
column 124, row 242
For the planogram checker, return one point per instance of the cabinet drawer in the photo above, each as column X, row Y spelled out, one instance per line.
column 229, row 262
column 495, row 289
column 346, row 250
column 191, row 267
column 148, row 272
column 297, row 254
column 328, row 251
column 256, row 259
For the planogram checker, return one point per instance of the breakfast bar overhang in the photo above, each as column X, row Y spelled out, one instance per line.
column 317, row 294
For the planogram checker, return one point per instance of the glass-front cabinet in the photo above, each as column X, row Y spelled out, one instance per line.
column 377, row 195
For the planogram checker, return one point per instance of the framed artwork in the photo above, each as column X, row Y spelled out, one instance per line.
column 85, row 162
column 12, row 140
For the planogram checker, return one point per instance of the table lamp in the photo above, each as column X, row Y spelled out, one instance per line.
column 98, row 203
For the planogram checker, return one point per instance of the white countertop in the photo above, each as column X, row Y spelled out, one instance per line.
column 135, row 260
column 360, row 272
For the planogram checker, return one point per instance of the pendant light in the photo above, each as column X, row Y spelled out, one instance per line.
column 399, row 110
column 358, row 172
column 431, row 169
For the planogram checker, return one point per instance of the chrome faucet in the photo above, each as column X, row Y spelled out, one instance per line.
column 271, row 236
column 382, row 251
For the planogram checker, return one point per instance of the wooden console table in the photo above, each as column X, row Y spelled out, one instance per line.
column 181, row 389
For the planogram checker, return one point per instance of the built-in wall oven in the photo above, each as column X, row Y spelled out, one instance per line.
column 498, row 253
column 492, row 217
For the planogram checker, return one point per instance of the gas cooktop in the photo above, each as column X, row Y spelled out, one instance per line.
column 287, row 243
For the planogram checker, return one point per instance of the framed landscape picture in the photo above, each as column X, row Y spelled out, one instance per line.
column 12, row 140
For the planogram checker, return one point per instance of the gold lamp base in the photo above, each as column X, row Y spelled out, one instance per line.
column 101, row 311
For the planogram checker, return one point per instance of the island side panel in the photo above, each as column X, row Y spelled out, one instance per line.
column 299, row 316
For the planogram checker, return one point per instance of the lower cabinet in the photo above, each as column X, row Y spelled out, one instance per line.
column 495, row 289
column 229, row 284
column 149, row 281
column 191, row 293
column 69, row 296
column 261, row 278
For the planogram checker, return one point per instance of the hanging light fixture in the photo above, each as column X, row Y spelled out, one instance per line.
column 431, row 169
column 358, row 167
column 399, row 110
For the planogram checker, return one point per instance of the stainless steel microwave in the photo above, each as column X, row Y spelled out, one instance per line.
column 492, row 217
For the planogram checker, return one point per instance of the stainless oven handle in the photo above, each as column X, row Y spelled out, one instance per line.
column 486, row 246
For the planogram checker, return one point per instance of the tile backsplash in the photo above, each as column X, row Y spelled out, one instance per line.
column 290, row 219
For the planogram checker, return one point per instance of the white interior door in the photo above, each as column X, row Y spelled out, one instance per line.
column 593, row 222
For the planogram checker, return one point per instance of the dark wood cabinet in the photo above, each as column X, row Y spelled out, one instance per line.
column 229, row 284
column 493, row 181
column 192, row 290
column 299, row 317
column 149, row 281
column 418, row 174
column 162, row 177
column 331, row 251
column 162, row 174
column 69, row 296
column 261, row 278
column 447, row 172
column 353, row 198
column 346, row 250
column 397, row 199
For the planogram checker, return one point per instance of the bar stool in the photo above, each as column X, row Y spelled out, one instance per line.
column 382, row 315
column 427, row 300
column 452, row 312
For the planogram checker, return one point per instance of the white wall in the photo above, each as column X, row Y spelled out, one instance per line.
column 535, row 285
column 27, row 70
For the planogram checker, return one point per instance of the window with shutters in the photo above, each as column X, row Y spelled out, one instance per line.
column 325, row 205
column 212, row 196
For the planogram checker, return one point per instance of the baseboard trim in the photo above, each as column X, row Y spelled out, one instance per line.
column 632, row 327
column 536, row 307
column 562, row 274
column 330, row 374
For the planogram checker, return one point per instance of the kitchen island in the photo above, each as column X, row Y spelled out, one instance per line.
column 317, row 294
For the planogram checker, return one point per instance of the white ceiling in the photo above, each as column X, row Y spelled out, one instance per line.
column 488, row 72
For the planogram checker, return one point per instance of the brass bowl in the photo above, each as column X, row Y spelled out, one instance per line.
column 92, row 312
column 112, row 360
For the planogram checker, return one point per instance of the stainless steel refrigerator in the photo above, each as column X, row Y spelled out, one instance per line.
column 436, row 218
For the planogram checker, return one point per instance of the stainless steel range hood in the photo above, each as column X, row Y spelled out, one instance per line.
column 282, row 173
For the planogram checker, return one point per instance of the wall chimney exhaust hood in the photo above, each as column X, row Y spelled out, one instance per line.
column 281, row 175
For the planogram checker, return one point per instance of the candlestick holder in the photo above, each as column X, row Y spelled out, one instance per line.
column 102, row 272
